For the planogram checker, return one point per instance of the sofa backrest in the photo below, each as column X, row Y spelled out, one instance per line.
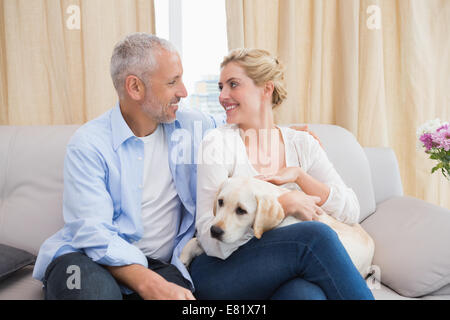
column 31, row 178
column 31, row 183
column 350, row 161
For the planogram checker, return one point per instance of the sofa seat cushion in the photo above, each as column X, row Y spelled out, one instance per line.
column 411, row 245
column 381, row 292
column 21, row 286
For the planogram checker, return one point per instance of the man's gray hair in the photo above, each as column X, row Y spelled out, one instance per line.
column 135, row 55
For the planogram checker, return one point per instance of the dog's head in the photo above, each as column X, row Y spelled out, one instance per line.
column 242, row 204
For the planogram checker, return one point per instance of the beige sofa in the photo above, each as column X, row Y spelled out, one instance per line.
column 412, row 259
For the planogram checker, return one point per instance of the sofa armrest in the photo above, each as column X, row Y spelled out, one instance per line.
column 411, row 245
column 385, row 172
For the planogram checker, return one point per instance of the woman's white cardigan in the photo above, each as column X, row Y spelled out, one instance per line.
column 222, row 154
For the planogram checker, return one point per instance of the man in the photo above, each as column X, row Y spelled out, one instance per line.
column 120, row 210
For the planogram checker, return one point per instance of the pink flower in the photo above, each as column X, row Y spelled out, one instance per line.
column 441, row 138
column 427, row 140
column 444, row 127
column 434, row 135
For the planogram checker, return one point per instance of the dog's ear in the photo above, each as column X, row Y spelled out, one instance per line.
column 269, row 214
column 215, row 198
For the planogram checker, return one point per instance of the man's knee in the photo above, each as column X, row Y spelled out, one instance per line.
column 75, row 276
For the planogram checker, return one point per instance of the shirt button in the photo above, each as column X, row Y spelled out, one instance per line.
column 140, row 186
column 139, row 158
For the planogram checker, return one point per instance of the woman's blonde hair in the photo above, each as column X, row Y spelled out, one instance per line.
column 261, row 67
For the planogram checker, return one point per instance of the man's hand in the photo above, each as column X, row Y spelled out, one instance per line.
column 148, row 284
column 305, row 128
column 300, row 205
column 164, row 290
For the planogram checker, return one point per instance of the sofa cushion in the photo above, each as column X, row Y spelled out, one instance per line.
column 31, row 183
column 13, row 259
column 21, row 286
column 381, row 292
column 411, row 245
column 386, row 179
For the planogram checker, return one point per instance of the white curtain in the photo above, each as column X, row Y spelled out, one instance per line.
column 379, row 68
column 54, row 57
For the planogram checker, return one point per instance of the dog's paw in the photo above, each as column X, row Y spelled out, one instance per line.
column 185, row 259
column 191, row 250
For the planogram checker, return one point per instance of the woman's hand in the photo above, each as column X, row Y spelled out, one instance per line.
column 285, row 175
column 300, row 205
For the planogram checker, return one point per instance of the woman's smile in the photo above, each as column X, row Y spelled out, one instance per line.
column 230, row 107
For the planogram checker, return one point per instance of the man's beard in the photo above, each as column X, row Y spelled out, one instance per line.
column 161, row 113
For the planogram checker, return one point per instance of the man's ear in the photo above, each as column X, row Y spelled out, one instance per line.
column 134, row 87
column 269, row 214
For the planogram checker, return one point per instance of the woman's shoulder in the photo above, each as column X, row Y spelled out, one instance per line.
column 303, row 143
column 297, row 136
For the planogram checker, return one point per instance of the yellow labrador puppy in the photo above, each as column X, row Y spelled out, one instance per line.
column 248, row 203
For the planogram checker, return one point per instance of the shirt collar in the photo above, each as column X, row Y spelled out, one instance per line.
column 120, row 130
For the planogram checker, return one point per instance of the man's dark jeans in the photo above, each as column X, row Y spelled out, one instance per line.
column 95, row 282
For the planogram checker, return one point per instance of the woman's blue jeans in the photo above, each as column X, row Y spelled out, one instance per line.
column 301, row 261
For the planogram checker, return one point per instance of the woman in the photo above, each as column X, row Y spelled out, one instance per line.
column 301, row 261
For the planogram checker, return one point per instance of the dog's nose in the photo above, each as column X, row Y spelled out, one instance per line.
column 216, row 232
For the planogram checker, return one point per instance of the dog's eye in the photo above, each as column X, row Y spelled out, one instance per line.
column 220, row 202
column 239, row 211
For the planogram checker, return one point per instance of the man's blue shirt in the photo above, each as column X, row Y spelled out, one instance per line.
column 103, row 189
